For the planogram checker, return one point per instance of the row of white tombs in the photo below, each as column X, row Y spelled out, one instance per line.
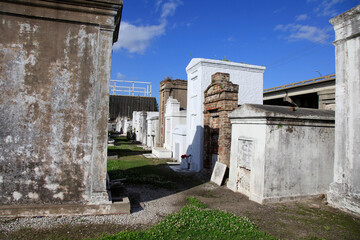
column 275, row 153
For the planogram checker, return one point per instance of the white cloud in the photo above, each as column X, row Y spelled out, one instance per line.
column 120, row 76
column 301, row 17
column 158, row 4
column 137, row 38
column 168, row 8
column 326, row 8
column 301, row 32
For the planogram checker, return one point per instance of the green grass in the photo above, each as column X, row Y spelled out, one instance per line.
column 137, row 169
column 196, row 221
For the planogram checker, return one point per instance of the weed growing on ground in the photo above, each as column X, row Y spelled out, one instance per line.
column 196, row 221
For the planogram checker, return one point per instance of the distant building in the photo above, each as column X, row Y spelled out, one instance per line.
column 124, row 106
column 313, row 93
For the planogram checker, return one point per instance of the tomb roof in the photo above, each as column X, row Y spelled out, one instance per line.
column 196, row 61
column 271, row 111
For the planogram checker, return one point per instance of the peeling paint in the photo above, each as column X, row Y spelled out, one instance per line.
column 8, row 139
column 17, row 196
column 26, row 28
column 52, row 187
column 32, row 195
column 59, row 195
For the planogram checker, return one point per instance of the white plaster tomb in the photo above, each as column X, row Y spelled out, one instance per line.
column 135, row 123
column 278, row 154
column 199, row 71
column 173, row 117
column 152, row 128
column 127, row 125
column 179, row 142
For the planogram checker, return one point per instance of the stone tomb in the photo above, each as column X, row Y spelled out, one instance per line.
column 281, row 153
column 136, row 123
column 344, row 190
column 152, row 120
column 176, row 89
column 141, row 125
column 173, row 118
column 221, row 98
column 199, row 71
column 127, row 125
column 124, row 124
column 179, row 142
column 54, row 106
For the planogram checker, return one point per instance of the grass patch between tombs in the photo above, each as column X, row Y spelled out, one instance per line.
column 137, row 169
column 196, row 221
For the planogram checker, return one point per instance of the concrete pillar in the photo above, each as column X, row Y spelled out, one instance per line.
column 344, row 192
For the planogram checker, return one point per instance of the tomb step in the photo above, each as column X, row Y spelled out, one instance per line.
column 161, row 152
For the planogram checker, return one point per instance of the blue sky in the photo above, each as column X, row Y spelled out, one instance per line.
column 291, row 38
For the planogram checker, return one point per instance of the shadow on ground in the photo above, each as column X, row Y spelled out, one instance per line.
column 306, row 219
column 132, row 169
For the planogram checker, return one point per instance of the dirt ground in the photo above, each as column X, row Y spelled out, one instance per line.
column 307, row 219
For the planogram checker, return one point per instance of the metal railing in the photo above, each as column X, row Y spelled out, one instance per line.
column 302, row 83
column 117, row 86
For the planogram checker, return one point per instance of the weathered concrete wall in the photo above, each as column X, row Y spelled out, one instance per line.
column 55, row 59
column 199, row 71
column 278, row 154
column 345, row 190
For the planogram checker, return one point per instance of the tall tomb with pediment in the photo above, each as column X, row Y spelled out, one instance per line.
column 248, row 77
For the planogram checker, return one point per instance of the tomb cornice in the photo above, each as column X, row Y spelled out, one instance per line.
column 196, row 62
column 86, row 12
column 253, row 111
column 346, row 25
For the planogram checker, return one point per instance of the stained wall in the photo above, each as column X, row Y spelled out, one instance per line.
column 55, row 60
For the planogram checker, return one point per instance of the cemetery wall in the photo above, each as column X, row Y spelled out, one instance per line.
column 123, row 106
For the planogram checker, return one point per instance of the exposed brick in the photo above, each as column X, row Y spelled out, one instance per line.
column 221, row 97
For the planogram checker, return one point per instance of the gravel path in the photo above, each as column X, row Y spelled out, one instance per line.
column 148, row 207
